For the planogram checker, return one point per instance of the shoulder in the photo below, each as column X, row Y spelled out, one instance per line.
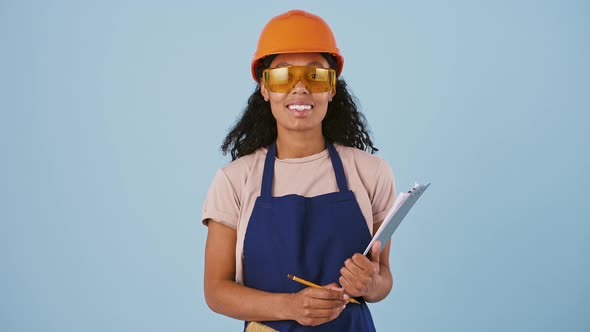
column 372, row 171
column 360, row 159
column 240, row 169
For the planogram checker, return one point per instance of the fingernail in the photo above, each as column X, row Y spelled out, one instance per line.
column 346, row 297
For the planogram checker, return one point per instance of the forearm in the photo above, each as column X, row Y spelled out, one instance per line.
column 245, row 303
column 382, row 285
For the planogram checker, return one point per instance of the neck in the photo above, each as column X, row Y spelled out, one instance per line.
column 299, row 145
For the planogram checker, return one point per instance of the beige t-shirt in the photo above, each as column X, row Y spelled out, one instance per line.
column 236, row 186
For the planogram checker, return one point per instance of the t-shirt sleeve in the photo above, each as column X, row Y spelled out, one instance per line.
column 384, row 193
column 222, row 202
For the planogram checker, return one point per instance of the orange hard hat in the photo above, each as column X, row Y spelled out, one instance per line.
column 296, row 31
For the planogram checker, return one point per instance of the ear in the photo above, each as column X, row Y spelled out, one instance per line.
column 332, row 93
column 264, row 92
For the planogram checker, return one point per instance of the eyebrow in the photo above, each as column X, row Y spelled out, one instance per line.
column 285, row 64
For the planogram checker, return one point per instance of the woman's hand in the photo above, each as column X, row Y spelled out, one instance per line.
column 360, row 275
column 315, row 306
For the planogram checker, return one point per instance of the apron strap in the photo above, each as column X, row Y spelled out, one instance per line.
column 269, row 169
column 338, row 168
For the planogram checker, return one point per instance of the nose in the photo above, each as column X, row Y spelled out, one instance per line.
column 299, row 88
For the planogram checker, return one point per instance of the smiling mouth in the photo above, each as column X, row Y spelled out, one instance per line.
column 299, row 107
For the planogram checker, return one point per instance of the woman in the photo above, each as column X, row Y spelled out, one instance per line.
column 301, row 195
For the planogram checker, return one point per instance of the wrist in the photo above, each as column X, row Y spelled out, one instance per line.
column 286, row 306
column 371, row 293
column 381, row 287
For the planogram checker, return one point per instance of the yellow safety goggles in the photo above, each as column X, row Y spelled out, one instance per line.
column 284, row 79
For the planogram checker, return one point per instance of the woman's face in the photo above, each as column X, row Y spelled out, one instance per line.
column 287, row 106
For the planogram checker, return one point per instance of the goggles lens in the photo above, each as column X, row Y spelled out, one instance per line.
column 284, row 79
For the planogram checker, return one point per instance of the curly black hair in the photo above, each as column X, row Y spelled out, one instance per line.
column 344, row 123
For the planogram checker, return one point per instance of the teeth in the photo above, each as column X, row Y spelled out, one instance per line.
column 300, row 107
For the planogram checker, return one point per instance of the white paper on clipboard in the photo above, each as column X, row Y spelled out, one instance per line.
column 396, row 214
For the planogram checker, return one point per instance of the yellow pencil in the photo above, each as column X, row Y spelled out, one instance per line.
column 311, row 284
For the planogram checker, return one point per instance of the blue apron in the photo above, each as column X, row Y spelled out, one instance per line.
column 309, row 237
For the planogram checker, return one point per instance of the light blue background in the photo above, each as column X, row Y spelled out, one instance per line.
column 112, row 114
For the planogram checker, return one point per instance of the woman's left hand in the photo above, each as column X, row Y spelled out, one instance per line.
column 360, row 274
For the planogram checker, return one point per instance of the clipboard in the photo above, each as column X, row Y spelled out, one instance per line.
column 396, row 214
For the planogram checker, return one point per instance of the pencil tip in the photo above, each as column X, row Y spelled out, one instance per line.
column 289, row 276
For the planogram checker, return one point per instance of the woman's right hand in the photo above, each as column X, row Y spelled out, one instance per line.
column 315, row 306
